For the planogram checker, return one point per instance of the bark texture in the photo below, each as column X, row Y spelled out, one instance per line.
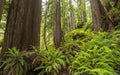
column 84, row 12
column 71, row 21
column 57, row 27
column 23, row 27
column 45, row 25
column 99, row 17
column 113, row 18
column 107, row 6
column 1, row 7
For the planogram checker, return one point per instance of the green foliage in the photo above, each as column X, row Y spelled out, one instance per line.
column 2, row 25
column 84, row 52
column 73, row 43
column 5, row 10
column 115, row 46
column 118, row 26
column 1, row 37
column 13, row 63
column 75, row 35
column 1, row 41
column 98, row 56
column 52, row 61
column 75, row 38
column 88, row 26
column 114, row 11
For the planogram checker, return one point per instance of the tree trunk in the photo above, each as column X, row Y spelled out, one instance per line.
column 57, row 28
column 99, row 17
column 82, row 16
column 84, row 12
column 23, row 25
column 79, row 3
column 44, row 34
column 113, row 18
column 107, row 6
column 1, row 8
column 71, row 24
column 71, row 21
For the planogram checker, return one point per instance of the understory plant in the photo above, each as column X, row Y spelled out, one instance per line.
column 13, row 63
column 52, row 61
column 73, row 42
column 98, row 56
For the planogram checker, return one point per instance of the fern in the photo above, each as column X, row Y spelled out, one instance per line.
column 51, row 61
column 97, row 57
column 14, row 63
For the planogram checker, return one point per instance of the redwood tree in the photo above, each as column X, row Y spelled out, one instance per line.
column 57, row 26
column 23, row 25
column 100, row 19
column 84, row 11
column 45, row 25
column 71, row 14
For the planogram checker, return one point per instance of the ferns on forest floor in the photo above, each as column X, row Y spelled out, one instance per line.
column 98, row 56
column 52, row 61
column 13, row 63
column 89, row 54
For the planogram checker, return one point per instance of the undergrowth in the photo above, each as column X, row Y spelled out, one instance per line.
column 52, row 61
column 13, row 63
column 98, row 56
column 83, row 53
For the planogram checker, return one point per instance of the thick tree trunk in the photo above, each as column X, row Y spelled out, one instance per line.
column 107, row 6
column 1, row 7
column 23, row 25
column 57, row 28
column 113, row 18
column 99, row 17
